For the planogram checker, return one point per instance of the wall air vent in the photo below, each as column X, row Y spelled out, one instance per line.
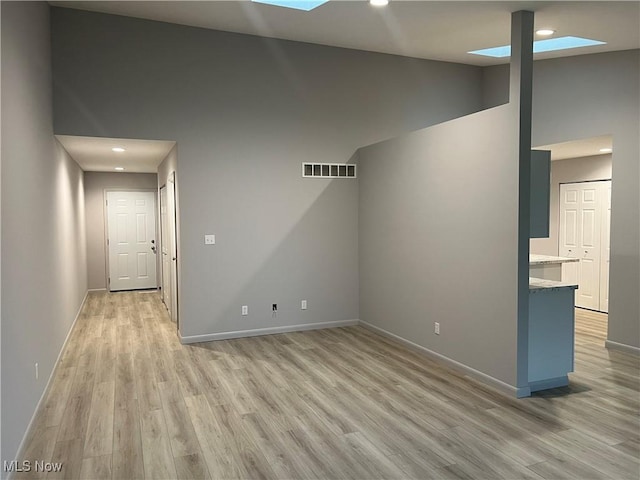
column 328, row 170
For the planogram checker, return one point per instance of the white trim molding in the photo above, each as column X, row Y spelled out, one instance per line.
column 622, row 347
column 265, row 331
column 471, row 372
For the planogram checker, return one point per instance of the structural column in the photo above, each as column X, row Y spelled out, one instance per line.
column 520, row 97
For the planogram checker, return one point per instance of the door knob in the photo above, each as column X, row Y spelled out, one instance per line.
column 153, row 249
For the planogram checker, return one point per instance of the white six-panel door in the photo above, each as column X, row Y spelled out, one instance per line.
column 568, row 232
column 131, row 240
column 584, row 233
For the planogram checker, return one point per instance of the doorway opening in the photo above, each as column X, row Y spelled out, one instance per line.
column 584, row 233
column 124, row 244
column 580, row 215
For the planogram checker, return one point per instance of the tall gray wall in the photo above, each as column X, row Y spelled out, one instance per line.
column 587, row 96
column 246, row 112
column 95, row 184
column 168, row 165
column 438, row 239
column 44, row 277
column 597, row 167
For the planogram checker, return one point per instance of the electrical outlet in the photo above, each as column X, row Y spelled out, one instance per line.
column 37, row 375
column 303, row 305
column 436, row 328
column 245, row 310
column 209, row 239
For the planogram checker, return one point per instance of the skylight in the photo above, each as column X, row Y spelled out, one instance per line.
column 305, row 5
column 539, row 46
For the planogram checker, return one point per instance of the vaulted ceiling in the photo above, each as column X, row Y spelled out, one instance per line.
column 423, row 29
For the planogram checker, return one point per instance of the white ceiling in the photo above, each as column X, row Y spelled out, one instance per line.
column 423, row 29
column 94, row 154
column 586, row 147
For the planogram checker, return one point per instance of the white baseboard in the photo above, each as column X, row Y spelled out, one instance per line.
column 265, row 331
column 22, row 445
column 471, row 372
column 97, row 290
column 622, row 347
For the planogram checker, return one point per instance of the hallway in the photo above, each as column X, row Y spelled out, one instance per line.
column 129, row 401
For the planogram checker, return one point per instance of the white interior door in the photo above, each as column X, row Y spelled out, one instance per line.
column 131, row 229
column 169, row 248
column 582, row 208
column 589, row 247
column 166, row 249
column 606, row 248
column 568, row 237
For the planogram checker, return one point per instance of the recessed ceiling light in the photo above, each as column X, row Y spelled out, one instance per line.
column 119, row 169
column 117, row 149
column 379, row 3
column 539, row 46
column 606, row 150
column 545, row 32
column 305, row 5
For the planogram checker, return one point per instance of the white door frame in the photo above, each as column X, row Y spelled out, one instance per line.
column 605, row 252
column 106, row 228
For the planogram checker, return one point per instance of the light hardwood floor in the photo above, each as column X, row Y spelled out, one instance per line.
column 129, row 401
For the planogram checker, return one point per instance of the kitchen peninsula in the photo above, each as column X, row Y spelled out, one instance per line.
column 551, row 323
column 547, row 266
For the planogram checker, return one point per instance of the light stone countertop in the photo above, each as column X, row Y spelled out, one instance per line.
column 538, row 284
column 549, row 259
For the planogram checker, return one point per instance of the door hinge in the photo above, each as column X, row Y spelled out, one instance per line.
column 107, row 202
column 109, row 280
column 107, row 241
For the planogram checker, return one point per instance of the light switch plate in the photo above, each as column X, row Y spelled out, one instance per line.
column 209, row 239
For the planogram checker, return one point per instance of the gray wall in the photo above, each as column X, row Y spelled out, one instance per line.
column 246, row 112
column 438, row 239
column 95, row 184
column 168, row 165
column 587, row 96
column 495, row 86
column 596, row 167
column 43, row 241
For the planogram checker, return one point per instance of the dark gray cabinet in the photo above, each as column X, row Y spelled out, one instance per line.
column 540, row 193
